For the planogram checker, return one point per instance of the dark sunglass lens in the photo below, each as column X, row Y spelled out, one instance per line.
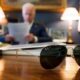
column 76, row 53
column 52, row 56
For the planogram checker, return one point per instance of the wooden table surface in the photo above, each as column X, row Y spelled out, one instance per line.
column 28, row 68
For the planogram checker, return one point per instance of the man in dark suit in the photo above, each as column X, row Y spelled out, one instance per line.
column 40, row 32
column 37, row 32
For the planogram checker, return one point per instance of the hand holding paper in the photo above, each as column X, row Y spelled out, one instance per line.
column 9, row 38
column 19, row 31
column 30, row 37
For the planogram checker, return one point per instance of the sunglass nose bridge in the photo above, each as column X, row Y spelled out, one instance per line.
column 69, row 51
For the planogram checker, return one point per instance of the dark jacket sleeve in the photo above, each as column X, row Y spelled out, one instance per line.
column 39, row 30
column 44, row 35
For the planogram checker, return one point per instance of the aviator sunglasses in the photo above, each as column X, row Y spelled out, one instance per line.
column 52, row 56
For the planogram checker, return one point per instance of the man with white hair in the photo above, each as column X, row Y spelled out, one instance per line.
column 37, row 32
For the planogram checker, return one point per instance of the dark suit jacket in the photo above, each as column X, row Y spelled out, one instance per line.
column 41, row 33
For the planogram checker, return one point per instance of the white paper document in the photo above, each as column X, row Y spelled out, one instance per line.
column 29, row 46
column 19, row 31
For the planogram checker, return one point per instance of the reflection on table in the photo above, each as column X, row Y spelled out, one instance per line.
column 29, row 68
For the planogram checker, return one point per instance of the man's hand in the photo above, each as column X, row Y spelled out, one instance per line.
column 9, row 38
column 30, row 38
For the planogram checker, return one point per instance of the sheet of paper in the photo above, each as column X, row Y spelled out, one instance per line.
column 19, row 31
column 29, row 46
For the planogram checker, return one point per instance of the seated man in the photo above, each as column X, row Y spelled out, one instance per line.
column 37, row 32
